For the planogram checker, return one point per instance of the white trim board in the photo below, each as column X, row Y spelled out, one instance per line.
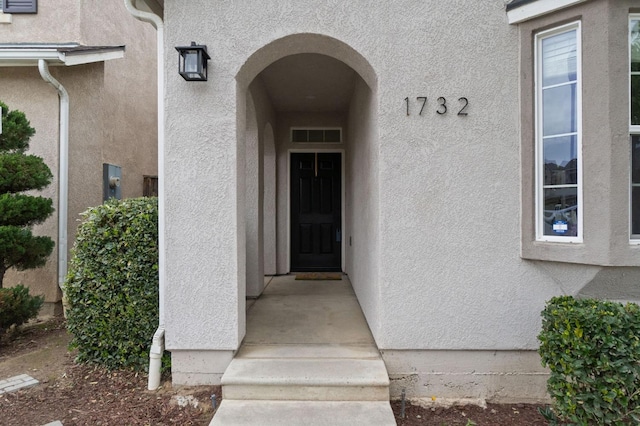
column 538, row 8
column 12, row 56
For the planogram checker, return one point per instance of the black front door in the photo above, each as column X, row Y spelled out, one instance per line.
column 316, row 209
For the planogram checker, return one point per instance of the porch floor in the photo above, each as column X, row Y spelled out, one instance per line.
column 298, row 312
column 309, row 358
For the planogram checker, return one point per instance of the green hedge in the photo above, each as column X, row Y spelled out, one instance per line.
column 17, row 306
column 111, row 290
column 592, row 348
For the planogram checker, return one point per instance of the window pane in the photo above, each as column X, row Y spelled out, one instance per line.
column 561, row 212
column 635, row 99
column 332, row 135
column 299, row 136
column 635, row 190
column 560, row 160
column 635, row 210
column 635, row 158
column 316, row 136
column 634, row 42
column 559, row 59
column 559, row 110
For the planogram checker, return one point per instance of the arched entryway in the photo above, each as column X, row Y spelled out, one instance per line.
column 308, row 151
column 313, row 97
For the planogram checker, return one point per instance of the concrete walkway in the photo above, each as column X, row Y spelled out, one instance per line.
column 308, row 358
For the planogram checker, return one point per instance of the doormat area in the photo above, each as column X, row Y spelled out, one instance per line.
column 319, row 276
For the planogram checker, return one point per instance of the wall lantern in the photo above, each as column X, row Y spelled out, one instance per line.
column 192, row 62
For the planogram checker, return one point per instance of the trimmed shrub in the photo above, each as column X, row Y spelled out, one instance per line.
column 19, row 172
column 17, row 306
column 111, row 289
column 592, row 348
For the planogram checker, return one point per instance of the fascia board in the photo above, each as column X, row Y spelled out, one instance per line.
column 89, row 58
column 30, row 57
column 27, row 58
column 538, row 8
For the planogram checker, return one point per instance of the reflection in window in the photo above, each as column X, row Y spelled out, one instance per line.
column 558, row 134
column 634, row 121
column 634, row 65
column 635, row 186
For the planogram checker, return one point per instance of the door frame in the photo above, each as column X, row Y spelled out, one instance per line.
column 342, row 200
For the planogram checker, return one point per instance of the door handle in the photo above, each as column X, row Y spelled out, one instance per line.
column 338, row 235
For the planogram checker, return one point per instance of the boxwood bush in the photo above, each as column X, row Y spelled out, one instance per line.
column 592, row 348
column 17, row 306
column 111, row 289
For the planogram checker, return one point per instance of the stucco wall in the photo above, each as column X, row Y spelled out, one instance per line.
column 24, row 90
column 112, row 109
column 448, row 231
column 260, row 247
column 55, row 22
column 362, row 203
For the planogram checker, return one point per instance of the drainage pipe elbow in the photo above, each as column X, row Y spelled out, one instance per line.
column 155, row 359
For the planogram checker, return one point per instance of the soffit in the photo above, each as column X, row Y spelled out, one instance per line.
column 524, row 10
column 68, row 54
column 153, row 6
column 309, row 82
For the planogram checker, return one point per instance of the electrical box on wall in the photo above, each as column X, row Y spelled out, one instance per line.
column 111, row 176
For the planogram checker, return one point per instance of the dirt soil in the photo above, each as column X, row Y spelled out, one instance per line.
column 87, row 395
column 469, row 415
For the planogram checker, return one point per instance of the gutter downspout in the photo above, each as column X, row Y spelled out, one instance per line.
column 157, row 343
column 63, row 169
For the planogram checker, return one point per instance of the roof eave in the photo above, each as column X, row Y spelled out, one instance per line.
column 54, row 57
column 92, row 57
column 534, row 9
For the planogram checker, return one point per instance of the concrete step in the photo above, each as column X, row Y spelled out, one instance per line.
column 306, row 379
column 358, row 351
column 307, row 413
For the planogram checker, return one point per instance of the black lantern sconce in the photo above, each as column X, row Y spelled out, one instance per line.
column 192, row 62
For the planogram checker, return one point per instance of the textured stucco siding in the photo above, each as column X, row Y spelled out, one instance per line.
column 55, row 22
column 362, row 229
column 260, row 217
column 24, row 90
column 438, row 197
column 113, row 111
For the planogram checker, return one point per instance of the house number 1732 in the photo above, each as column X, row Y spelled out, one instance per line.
column 442, row 107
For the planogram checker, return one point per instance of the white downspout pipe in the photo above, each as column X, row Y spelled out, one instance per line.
column 63, row 169
column 157, row 343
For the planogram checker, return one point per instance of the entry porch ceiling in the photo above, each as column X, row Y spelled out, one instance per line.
column 309, row 82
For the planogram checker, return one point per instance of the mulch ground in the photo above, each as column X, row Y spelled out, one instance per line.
column 469, row 415
column 89, row 395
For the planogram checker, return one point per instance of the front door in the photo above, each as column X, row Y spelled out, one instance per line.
column 316, row 211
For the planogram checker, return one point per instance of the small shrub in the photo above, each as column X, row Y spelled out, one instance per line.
column 593, row 351
column 111, row 289
column 17, row 306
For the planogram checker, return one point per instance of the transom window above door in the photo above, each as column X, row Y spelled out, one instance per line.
column 316, row 135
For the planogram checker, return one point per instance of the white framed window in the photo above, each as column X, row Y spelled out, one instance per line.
column 634, row 126
column 558, row 100
column 316, row 134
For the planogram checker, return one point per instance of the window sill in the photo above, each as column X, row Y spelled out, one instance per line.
column 5, row 18
column 581, row 253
